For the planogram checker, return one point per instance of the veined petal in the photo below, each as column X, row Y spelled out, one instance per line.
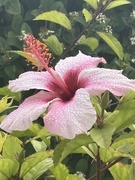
column 28, row 111
column 77, row 63
column 31, row 80
column 98, row 80
column 70, row 118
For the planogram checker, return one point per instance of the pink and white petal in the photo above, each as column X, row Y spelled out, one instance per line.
column 98, row 80
column 33, row 106
column 77, row 63
column 32, row 80
column 70, row 118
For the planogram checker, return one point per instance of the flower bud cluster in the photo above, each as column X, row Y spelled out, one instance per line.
column 132, row 14
column 81, row 175
column 101, row 18
column 132, row 40
column 108, row 29
column 74, row 13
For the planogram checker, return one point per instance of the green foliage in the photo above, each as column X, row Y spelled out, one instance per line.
column 13, row 7
column 120, row 171
column 69, row 147
column 92, row 3
column 56, row 17
column 5, row 91
column 4, row 103
column 98, row 28
column 87, row 15
column 103, row 135
column 113, row 43
column 54, row 45
column 35, row 165
column 91, row 42
column 8, row 173
column 117, row 3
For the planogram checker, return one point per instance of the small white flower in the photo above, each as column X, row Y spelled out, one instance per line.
column 132, row 14
column 101, row 18
column 108, row 29
column 81, row 175
column 74, row 13
column 133, row 61
column 132, row 40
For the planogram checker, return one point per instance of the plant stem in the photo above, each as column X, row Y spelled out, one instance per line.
column 100, row 9
column 98, row 165
column 103, row 169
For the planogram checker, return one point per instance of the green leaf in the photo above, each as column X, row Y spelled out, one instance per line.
column 92, row 3
column 5, row 103
column 87, row 15
column 109, row 154
column 10, row 71
column 26, row 28
column 74, row 177
column 132, row 169
column 38, row 145
column 12, row 148
column 54, row 44
column 56, row 17
column 123, row 116
column 113, row 43
column 129, row 96
column 60, row 171
column 103, row 135
column 2, row 139
column 82, row 165
column 126, row 146
column 35, row 165
column 121, row 148
column 126, row 135
column 90, row 41
column 105, row 100
column 3, row 2
column 117, row 3
column 17, row 23
column 13, row 7
column 3, row 44
column 34, row 130
column 66, row 147
column 8, row 168
column 120, row 171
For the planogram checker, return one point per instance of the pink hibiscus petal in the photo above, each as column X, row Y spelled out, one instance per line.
column 98, row 80
column 33, row 106
column 70, row 118
column 32, row 80
column 77, row 63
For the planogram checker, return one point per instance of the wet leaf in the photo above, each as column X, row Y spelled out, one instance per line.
column 35, row 165
column 13, row 7
column 12, row 148
column 87, row 15
column 5, row 91
column 60, row 171
column 113, row 43
column 117, row 3
column 5, row 103
column 66, row 147
column 120, row 171
column 54, row 44
column 8, row 168
column 103, row 135
column 56, row 17
column 92, row 3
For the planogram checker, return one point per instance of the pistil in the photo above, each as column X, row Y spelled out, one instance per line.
column 42, row 55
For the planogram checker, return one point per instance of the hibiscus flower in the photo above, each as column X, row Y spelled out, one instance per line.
column 64, row 92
